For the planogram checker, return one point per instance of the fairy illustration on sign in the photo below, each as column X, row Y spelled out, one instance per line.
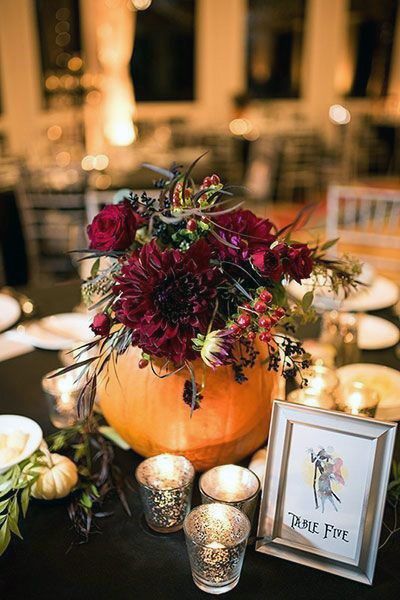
column 327, row 471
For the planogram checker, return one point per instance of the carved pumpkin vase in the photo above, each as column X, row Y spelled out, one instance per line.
column 150, row 415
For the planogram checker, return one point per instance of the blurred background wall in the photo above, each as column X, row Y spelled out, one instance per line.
column 287, row 96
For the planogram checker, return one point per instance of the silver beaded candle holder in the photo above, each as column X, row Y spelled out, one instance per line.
column 216, row 539
column 233, row 485
column 165, row 485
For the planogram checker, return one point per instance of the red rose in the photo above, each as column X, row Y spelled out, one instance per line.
column 101, row 324
column 269, row 262
column 114, row 228
column 299, row 262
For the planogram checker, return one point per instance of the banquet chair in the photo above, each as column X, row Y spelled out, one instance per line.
column 51, row 219
column 367, row 221
column 14, row 269
column 301, row 167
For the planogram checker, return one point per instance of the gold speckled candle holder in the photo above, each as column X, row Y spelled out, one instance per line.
column 165, row 485
column 216, row 539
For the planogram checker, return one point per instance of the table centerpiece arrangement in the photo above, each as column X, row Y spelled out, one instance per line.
column 193, row 318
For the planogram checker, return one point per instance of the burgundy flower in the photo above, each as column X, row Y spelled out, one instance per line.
column 299, row 261
column 245, row 231
column 101, row 324
column 114, row 228
column 166, row 297
column 269, row 262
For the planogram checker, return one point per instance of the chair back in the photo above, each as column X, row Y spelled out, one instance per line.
column 367, row 220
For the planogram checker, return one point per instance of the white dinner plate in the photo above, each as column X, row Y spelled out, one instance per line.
column 380, row 294
column 375, row 333
column 58, row 332
column 10, row 311
column 10, row 423
column 384, row 380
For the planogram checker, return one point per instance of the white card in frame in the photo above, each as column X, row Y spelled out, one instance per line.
column 324, row 490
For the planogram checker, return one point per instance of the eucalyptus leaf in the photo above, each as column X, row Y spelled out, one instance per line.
column 329, row 244
column 13, row 526
column 307, row 300
column 25, row 497
column 5, row 537
column 95, row 267
column 114, row 437
column 5, row 487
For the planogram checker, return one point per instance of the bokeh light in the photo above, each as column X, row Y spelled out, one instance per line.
column 54, row 132
column 339, row 115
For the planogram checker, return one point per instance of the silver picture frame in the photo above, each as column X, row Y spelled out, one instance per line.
column 281, row 532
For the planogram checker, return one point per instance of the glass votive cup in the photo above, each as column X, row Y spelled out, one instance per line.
column 321, row 379
column 216, row 539
column 358, row 399
column 62, row 394
column 233, row 485
column 165, row 486
column 312, row 398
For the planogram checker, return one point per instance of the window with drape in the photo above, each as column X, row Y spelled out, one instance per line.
column 275, row 48
column 370, row 42
column 59, row 37
column 163, row 58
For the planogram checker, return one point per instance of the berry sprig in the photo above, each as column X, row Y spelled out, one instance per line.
column 210, row 185
column 257, row 318
column 178, row 201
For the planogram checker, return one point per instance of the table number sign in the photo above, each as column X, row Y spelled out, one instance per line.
column 325, row 488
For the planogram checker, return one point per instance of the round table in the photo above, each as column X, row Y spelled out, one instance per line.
column 126, row 560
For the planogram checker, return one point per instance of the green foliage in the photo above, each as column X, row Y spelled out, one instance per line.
column 15, row 487
column 89, row 446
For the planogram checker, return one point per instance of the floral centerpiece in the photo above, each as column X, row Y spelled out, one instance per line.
column 188, row 277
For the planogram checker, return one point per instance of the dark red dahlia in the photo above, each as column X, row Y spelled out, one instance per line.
column 242, row 229
column 114, row 228
column 166, row 297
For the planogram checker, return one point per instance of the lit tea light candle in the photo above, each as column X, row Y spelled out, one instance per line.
column 231, row 484
column 165, row 485
column 216, row 539
column 358, row 399
column 312, row 398
column 321, row 388
column 62, row 393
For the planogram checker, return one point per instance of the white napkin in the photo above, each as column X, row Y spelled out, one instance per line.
column 11, row 345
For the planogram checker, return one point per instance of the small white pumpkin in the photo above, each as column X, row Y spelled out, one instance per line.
column 57, row 476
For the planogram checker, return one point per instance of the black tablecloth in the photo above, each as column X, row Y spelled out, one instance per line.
column 126, row 560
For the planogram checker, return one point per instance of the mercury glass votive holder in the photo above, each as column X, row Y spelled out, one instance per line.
column 165, row 486
column 358, row 399
column 216, row 539
column 62, row 393
column 233, row 485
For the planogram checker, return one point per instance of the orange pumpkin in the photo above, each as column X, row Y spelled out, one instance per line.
column 150, row 415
